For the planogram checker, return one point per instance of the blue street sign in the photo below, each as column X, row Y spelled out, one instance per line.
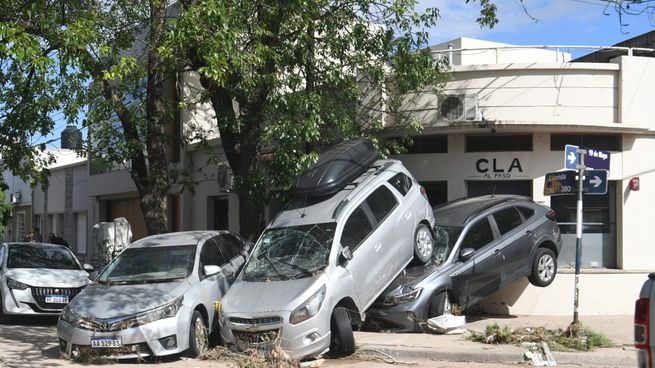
column 595, row 182
column 561, row 182
column 597, row 159
column 571, row 157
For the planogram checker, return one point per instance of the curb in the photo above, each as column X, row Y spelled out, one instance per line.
column 602, row 357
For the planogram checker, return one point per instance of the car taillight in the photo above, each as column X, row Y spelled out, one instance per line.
column 424, row 192
column 642, row 333
column 551, row 215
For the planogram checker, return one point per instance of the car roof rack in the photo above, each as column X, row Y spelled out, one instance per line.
column 336, row 167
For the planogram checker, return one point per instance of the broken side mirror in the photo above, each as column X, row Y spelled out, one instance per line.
column 93, row 275
column 466, row 253
column 345, row 255
column 88, row 268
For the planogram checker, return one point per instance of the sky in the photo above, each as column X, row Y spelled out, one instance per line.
column 547, row 22
column 558, row 22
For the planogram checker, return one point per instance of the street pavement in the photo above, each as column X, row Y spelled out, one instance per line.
column 32, row 343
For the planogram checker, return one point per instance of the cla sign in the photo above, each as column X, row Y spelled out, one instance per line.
column 494, row 170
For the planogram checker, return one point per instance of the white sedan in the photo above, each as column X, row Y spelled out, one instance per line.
column 38, row 279
column 156, row 298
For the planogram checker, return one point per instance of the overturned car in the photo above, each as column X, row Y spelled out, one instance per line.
column 482, row 244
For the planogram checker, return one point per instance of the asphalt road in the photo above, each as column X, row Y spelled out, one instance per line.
column 31, row 342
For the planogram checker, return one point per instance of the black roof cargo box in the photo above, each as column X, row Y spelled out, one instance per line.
column 335, row 168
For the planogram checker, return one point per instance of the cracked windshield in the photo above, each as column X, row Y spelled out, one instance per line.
column 150, row 264
column 445, row 238
column 291, row 252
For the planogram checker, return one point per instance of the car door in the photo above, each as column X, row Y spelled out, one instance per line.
column 366, row 263
column 515, row 242
column 233, row 253
column 212, row 287
column 480, row 275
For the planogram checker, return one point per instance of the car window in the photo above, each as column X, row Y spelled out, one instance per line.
column 479, row 235
column 210, row 255
column 381, row 202
column 40, row 256
column 356, row 229
column 507, row 219
column 401, row 182
column 230, row 246
column 526, row 212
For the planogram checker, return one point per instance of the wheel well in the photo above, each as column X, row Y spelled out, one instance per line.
column 351, row 307
column 550, row 245
column 203, row 312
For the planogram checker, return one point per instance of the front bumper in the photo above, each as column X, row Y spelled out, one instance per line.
column 270, row 330
column 396, row 321
column 140, row 341
column 31, row 301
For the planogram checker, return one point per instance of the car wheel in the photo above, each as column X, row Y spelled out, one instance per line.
column 423, row 244
column 198, row 338
column 544, row 267
column 439, row 305
column 343, row 339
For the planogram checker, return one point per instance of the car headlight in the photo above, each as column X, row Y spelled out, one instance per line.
column 309, row 308
column 407, row 294
column 13, row 284
column 165, row 311
column 68, row 315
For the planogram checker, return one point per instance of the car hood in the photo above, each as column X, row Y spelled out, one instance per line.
column 48, row 277
column 109, row 301
column 414, row 276
column 266, row 296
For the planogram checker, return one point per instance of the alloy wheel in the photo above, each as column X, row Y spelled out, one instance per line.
column 546, row 267
column 200, row 334
column 424, row 242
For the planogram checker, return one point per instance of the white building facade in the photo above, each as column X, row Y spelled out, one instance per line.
column 501, row 125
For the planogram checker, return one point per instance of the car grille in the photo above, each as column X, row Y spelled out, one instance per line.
column 39, row 294
column 140, row 350
column 256, row 321
column 256, row 340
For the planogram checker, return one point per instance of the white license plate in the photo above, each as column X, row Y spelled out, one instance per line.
column 106, row 342
column 57, row 299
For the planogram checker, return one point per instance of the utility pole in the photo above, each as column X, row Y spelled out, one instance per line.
column 578, row 240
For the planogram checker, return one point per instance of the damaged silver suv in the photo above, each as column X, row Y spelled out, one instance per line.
column 355, row 224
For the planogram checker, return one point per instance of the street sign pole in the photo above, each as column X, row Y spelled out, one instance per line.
column 578, row 240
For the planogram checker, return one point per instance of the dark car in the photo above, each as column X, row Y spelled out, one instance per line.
column 482, row 245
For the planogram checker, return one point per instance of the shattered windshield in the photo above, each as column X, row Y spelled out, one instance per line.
column 445, row 238
column 290, row 252
column 150, row 264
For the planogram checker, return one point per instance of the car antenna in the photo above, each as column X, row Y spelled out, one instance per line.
column 493, row 192
column 304, row 208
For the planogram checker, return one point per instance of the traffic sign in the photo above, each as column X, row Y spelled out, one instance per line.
column 597, row 159
column 595, row 182
column 561, row 182
column 571, row 157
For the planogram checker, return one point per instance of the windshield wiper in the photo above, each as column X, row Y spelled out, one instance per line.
column 299, row 268
column 155, row 281
column 280, row 274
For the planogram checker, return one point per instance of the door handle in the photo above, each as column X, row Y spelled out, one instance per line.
column 377, row 246
column 529, row 233
column 496, row 252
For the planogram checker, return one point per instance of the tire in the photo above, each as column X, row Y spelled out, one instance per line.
column 440, row 304
column 343, row 339
column 544, row 268
column 423, row 244
column 198, row 338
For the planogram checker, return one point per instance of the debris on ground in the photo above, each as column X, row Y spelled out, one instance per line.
column 276, row 358
column 538, row 354
column 447, row 324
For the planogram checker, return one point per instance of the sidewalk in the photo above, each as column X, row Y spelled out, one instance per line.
column 458, row 348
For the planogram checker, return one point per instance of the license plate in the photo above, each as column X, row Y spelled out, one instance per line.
column 106, row 342
column 56, row 299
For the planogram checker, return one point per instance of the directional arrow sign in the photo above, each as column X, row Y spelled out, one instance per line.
column 561, row 182
column 595, row 182
column 571, row 157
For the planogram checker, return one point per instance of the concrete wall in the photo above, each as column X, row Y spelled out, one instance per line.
column 610, row 293
column 636, row 87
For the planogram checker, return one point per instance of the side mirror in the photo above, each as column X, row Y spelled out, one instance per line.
column 88, row 268
column 211, row 270
column 93, row 275
column 466, row 253
column 345, row 255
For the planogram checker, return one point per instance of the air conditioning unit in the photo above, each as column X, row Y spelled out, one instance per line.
column 224, row 177
column 458, row 107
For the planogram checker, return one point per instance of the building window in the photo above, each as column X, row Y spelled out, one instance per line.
column 498, row 142
column 429, row 144
column 476, row 188
column 437, row 191
column 219, row 213
column 604, row 142
column 21, row 226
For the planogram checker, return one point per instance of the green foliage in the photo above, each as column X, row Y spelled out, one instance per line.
column 5, row 215
column 558, row 340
